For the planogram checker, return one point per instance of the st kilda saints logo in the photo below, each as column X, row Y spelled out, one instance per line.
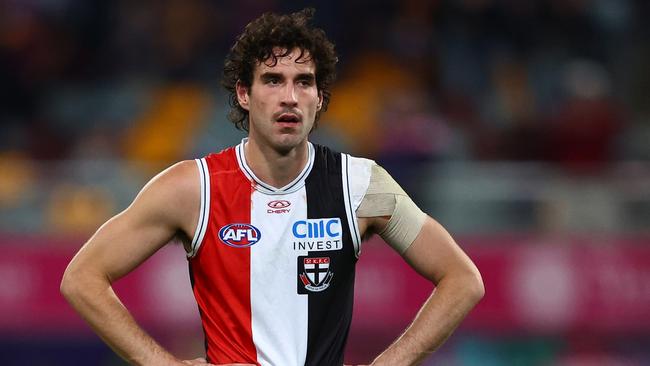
column 314, row 274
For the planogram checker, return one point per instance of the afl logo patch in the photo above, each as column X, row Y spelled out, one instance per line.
column 239, row 235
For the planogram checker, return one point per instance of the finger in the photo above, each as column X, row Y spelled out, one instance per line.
column 196, row 361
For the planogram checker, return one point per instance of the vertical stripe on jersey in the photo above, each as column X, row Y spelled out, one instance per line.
column 221, row 273
column 204, row 210
column 350, row 211
column 279, row 314
column 330, row 311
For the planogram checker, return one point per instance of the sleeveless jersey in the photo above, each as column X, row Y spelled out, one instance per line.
column 272, row 270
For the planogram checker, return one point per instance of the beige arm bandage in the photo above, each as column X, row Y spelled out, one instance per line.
column 385, row 197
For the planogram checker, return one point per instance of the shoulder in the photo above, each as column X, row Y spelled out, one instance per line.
column 180, row 177
column 176, row 188
column 353, row 163
column 360, row 165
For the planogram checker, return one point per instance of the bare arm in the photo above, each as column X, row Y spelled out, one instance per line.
column 459, row 287
column 166, row 206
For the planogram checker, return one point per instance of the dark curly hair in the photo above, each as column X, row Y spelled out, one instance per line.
column 256, row 44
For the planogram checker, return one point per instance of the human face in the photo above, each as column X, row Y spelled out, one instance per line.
column 282, row 101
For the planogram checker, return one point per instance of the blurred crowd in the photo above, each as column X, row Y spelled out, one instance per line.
column 124, row 88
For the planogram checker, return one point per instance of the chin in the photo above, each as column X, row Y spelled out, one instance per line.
column 286, row 143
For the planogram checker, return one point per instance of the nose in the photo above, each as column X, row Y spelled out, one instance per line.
column 289, row 98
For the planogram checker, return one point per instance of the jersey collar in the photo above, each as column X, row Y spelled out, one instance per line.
column 259, row 185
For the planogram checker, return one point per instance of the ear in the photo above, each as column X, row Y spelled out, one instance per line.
column 242, row 94
column 320, row 101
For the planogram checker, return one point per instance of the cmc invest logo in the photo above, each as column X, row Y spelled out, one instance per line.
column 239, row 235
column 278, row 206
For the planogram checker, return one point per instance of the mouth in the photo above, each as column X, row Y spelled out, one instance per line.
column 288, row 118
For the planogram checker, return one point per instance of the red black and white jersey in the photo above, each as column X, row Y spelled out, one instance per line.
column 272, row 269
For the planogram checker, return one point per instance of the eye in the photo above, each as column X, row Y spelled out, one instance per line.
column 273, row 81
column 305, row 82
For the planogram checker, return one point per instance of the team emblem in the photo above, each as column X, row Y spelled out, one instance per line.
column 315, row 274
column 239, row 235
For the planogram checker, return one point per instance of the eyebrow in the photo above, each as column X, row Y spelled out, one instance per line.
column 307, row 76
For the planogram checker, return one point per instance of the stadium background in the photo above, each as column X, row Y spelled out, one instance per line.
column 522, row 126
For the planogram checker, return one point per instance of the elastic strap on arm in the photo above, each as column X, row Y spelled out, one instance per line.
column 385, row 197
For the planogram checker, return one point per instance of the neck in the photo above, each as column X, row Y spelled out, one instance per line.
column 277, row 168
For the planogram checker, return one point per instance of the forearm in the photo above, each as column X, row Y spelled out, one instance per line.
column 447, row 306
column 98, row 305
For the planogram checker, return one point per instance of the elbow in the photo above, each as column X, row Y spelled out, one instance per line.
column 75, row 285
column 467, row 284
column 69, row 286
column 475, row 287
column 82, row 284
column 480, row 291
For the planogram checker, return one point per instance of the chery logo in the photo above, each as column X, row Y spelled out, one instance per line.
column 278, row 206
